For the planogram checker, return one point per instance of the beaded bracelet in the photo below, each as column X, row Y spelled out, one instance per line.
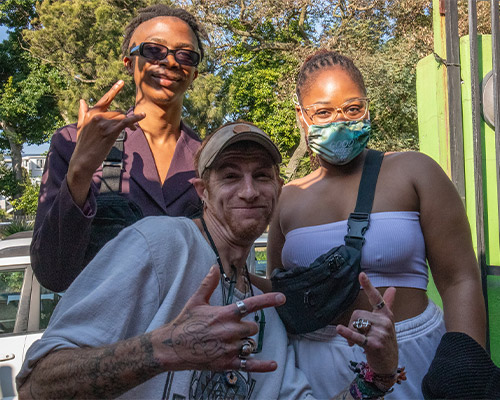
column 370, row 385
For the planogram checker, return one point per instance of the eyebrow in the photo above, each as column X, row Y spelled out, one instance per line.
column 327, row 102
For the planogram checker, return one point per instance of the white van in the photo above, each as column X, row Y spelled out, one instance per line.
column 25, row 308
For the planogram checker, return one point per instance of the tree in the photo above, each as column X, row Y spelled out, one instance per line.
column 27, row 203
column 261, row 44
column 86, row 51
column 251, row 65
column 9, row 186
column 28, row 108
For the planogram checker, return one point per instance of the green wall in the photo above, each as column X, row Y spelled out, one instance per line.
column 434, row 141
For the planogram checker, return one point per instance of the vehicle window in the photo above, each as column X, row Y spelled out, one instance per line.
column 260, row 261
column 11, row 283
column 48, row 302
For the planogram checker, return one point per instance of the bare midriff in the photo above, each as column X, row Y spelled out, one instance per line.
column 409, row 303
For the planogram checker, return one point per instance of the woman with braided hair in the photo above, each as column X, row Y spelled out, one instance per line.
column 417, row 218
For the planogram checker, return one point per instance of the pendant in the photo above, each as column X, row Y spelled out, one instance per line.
column 231, row 378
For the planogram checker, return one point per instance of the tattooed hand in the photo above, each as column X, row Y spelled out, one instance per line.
column 205, row 337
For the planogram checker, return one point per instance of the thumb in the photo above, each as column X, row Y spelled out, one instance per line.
column 81, row 113
column 206, row 288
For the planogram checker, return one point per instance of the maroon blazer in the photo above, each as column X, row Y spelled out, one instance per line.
column 62, row 230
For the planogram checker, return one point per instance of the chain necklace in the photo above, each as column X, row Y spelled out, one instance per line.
column 231, row 281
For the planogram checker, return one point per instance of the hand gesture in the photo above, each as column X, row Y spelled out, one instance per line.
column 205, row 337
column 97, row 130
column 374, row 330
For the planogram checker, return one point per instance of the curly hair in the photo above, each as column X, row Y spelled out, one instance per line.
column 323, row 59
column 162, row 10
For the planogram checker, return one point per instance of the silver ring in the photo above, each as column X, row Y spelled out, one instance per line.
column 247, row 348
column 364, row 342
column 379, row 306
column 362, row 325
column 243, row 364
column 242, row 308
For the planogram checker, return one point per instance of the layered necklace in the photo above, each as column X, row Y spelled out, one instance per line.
column 227, row 298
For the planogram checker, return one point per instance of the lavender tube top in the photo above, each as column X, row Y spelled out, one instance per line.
column 393, row 253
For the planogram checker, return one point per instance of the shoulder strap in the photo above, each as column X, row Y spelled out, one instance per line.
column 359, row 220
column 112, row 167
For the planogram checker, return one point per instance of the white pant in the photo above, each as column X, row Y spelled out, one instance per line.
column 324, row 356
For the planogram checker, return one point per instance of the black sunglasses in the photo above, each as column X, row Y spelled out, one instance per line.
column 155, row 51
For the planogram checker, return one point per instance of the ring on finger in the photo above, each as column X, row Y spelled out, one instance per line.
column 243, row 364
column 362, row 325
column 242, row 308
column 248, row 347
column 379, row 306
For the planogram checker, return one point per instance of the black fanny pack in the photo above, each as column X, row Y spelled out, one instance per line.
column 318, row 294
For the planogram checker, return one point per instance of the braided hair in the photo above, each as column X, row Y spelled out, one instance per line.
column 323, row 59
column 162, row 10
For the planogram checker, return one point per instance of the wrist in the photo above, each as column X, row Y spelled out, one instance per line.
column 370, row 385
column 78, row 181
column 162, row 344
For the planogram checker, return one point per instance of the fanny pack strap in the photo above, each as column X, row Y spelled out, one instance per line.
column 359, row 220
column 112, row 167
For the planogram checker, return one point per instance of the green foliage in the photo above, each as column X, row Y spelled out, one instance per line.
column 28, row 202
column 17, row 14
column 204, row 104
column 257, row 93
column 249, row 72
column 3, row 215
column 27, row 104
column 28, row 107
column 15, row 227
column 9, row 186
column 11, row 282
column 85, row 49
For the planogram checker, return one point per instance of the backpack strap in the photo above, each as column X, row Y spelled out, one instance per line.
column 112, row 167
column 359, row 220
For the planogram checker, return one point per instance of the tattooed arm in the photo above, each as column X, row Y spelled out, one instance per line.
column 202, row 337
column 93, row 372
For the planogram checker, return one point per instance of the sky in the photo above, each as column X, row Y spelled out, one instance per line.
column 26, row 149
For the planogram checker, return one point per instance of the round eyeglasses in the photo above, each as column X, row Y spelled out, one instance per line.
column 157, row 52
column 352, row 110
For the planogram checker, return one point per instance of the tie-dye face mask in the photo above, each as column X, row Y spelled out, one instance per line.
column 339, row 142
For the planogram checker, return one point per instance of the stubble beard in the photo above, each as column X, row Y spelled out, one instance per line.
column 246, row 231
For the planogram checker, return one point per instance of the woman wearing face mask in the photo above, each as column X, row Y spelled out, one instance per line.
column 417, row 217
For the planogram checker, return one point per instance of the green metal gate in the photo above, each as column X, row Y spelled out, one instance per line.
column 458, row 99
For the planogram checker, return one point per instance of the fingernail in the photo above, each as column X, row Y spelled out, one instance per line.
column 280, row 298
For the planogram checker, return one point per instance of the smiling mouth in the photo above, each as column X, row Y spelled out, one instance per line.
column 163, row 77
column 249, row 208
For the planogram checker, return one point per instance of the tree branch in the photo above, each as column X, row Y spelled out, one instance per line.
column 302, row 19
column 270, row 46
column 242, row 10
